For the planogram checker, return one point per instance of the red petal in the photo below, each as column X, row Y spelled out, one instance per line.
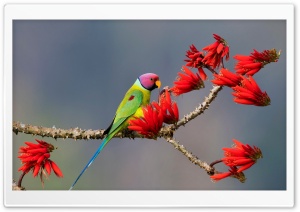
column 233, row 152
column 217, row 37
column 47, row 167
column 41, row 158
column 176, row 111
column 26, row 167
column 32, row 144
column 40, row 150
column 226, row 52
column 56, row 169
column 242, row 57
column 220, row 176
column 243, row 161
column 247, row 166
column 36, row 169
column 252, row 71
column 253, row 65
column 202, row 74
column 220, row 48
column 135, row 128
column 244, row 101
column 43, row 143
column 189, row 64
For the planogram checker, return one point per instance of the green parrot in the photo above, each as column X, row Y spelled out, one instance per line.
column 131, row 107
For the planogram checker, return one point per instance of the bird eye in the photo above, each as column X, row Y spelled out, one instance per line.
column 151, row 79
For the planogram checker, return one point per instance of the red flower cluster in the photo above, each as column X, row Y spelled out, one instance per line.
column 216, row 52
column 240, row 155
column 169, row 108
column 35, row 157
column 227, row 78
column 186, row 82
column 195, row 60
column 246, row 90
column 252, row 64
column 214, row 57
column 249, row 93
column 155, row 114
column 150, row 124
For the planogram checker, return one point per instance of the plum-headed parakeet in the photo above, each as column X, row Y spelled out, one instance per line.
column 131, row 106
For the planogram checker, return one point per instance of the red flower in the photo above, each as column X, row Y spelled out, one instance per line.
column 169, row 108
column 249, row 93
column 195, row 60
column 227, row 78
column 35, row 157
column 252, row 64
column 186, row 82
column 242, row 155
column 150, row 124
column 232, row 172
column 216, row 52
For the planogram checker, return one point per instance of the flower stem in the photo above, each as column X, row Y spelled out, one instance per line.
column 20, row 179
column 211, row 69
column 222, row 62
column 215, row 162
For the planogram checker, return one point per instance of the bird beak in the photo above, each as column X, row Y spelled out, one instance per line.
column 158, row 83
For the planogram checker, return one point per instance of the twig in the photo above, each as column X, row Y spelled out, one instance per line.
column 74, row 133
column 15, row 187
column 200, row 109
column 209, row 169
column 20, row 179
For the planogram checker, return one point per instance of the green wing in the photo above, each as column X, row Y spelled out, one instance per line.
column 129, row 105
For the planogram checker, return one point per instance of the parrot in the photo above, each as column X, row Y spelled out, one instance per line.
column 137, row 96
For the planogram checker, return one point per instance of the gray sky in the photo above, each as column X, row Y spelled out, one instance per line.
column 75, row 73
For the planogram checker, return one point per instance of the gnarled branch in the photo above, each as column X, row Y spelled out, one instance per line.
column 77, row 133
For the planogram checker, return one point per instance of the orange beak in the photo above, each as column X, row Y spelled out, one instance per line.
column 158, row 83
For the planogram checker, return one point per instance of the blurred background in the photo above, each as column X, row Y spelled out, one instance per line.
column 75, row 73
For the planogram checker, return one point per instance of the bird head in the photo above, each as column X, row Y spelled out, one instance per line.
column 150, row 81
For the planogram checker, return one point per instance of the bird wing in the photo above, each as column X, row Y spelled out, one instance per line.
column 129, row 105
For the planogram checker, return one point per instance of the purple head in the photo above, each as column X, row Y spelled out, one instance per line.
column 149, row 81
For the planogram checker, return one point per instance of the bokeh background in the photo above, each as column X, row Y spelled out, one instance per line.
column 74, row 73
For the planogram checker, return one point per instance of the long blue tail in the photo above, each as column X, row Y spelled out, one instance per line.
column 104, row 142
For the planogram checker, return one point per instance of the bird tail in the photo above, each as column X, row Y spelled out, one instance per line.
column 104, row 142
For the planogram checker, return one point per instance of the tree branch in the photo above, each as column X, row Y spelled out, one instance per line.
column 74, row 133
column 200, row 109
column 77, row 133
column 209, row 169
column 166, row 132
